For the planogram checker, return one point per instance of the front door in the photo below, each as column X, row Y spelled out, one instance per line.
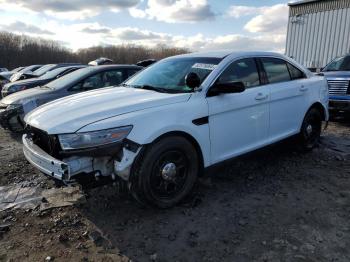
column 239, row 122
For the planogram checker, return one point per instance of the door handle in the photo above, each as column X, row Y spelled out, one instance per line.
column 261, row 96
column 303, row 88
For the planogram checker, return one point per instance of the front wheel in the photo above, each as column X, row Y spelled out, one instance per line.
column 311, row 129
column 165, row 172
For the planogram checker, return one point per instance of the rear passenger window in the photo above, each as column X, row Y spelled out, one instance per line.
column 112, row 78
column 295, row 73
column 276, row 70
column 243, row 70
column 90, row 83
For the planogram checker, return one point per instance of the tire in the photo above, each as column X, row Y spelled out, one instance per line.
column 165, row 172
column 310, row 132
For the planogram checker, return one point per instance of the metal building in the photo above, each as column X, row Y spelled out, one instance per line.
column 318, row 31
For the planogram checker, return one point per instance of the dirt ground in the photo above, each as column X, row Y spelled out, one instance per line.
column 276, row 204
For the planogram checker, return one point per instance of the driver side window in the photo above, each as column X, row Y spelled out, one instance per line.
column 90, row 83
column 243, row 70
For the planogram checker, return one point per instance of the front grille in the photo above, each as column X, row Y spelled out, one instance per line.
column 338, row 87
column 48, row 143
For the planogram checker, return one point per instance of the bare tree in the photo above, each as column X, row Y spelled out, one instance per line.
column 21, row 50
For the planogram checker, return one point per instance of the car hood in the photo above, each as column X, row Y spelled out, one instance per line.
column 69, row 114
column 31, row 81
column 337, row 74
column 6, row 75
column 25, row 95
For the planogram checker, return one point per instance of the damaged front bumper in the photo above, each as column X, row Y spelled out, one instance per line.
column 43, row 161
column 12, row 118
column 80, row 163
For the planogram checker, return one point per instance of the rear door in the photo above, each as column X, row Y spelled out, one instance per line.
column 288, row 97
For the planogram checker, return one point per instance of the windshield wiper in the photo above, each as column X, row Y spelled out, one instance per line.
column 153, row 88
column 163, row 90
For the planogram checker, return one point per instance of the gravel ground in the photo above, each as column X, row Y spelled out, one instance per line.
column 275, row 204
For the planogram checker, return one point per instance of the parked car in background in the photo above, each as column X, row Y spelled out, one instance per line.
column 14, row 107
column 175, row 118
column 337, row 73
column 24, row 73
column 3, row 69
column 5, row 76
column 21, row 85
column 101, row 61
column 146, row 62
column 17, row 69
column 42, row 70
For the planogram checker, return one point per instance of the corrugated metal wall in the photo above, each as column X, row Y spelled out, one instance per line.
column 315, row 38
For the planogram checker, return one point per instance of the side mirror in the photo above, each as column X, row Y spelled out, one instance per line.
column 192, row 80
column 226, row 88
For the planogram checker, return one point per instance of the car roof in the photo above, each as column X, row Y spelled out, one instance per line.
column 103, row 67
column 224, row 53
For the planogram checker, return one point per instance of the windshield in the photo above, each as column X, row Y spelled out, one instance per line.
column 69, row 78
column 53, row 73
column 339, row 64
column 169, row 75
column 29, row 69
column 17, row 69
column 42, row 70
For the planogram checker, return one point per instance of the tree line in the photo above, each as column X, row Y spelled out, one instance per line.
column 22, row 50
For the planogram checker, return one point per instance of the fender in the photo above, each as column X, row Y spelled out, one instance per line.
column 147, row 127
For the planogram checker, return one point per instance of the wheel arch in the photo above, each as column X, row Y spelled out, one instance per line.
column 191, row 139
column 320, row 108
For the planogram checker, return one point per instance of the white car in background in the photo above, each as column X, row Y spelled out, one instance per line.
column 180, row 115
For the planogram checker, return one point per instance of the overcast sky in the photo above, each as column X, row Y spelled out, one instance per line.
column 194, row 24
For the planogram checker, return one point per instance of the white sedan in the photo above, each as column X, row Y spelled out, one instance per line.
column 163, row 126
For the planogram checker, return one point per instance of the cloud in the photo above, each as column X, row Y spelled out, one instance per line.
column 21, row 27
column 132, row 34
column 247, row 43
column 77, row 9
column 95, row 30
column 240, row 11
column 137, row 13
column 272, row 19
column 175, row 11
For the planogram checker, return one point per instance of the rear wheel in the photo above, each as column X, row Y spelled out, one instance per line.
column 165, row 172
column 311, row 129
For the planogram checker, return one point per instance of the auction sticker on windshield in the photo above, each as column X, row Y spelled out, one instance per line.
column 204, row 66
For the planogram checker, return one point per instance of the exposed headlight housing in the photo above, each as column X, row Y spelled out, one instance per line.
column 93, row 139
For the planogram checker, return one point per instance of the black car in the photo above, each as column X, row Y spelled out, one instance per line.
column 14, row 107
column 17, row 86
